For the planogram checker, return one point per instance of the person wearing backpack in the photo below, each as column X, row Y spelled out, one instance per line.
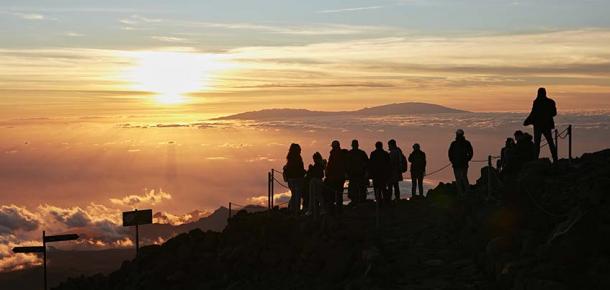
column 398, row 165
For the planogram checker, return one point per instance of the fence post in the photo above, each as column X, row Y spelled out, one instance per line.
column 230, row 205
column 570, row 143
column 269, row 190
column 489, row 168
column 557, row 141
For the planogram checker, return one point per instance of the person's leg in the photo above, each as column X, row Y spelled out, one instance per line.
column 292, row 185
column 537, row 137
column 465, row 178
column 339, row 196
column 549, row 139
column 413, row 185
column 420, row 182
column 396, row 190
column 458, row 180
column 311, row 207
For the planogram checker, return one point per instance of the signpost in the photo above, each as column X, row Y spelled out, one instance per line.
column 137, row 218
column 43, row 249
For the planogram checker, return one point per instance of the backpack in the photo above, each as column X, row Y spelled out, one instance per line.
column 404, row 164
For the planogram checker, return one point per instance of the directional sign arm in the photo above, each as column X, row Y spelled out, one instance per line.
column 25, row 250
column 60, row 238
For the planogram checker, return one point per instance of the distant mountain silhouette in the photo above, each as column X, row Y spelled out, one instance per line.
column 411, row 108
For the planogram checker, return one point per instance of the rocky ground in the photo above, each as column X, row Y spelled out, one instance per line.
column 547, row 228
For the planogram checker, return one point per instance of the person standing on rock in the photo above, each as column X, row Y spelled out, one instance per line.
column 398, row 165
column 379, row 169
column 508, row 156
column 336, row 175
column 418, row 170
column 460, row 153
column 541, row 116
column 357, row 162
column 315, row 175
column 294, row 174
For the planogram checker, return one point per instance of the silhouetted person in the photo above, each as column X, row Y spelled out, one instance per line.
column 315, row 175
column 397, row 167
column 379, row 170
column 541, row 117
column 357, row 162
column 418, row 170
column 294, row 173
column 460, row 153
column 525, row 149
column 336, row 175
column 508, row 157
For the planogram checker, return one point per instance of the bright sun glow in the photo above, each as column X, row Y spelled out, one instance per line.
column 172, row 75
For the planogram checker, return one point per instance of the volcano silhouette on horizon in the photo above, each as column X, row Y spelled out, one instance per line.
column 409, row 108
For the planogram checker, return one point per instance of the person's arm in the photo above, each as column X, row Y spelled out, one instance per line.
column 470, row 151
column 553, row 109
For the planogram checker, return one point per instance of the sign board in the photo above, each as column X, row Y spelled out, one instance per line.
column 138, row 217
column 28, row 250
column 60, row 238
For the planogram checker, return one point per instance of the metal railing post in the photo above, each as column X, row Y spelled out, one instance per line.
column 557, row 141
column 570, row 142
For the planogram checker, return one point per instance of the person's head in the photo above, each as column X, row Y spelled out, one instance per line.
column 295, row 149
column 379, row 145
column 510, row 142
column 392, row 144
column 335, row 145
column 518, row 135
column 541, row 93
column 459, row 134
column 317, row 157
column 355, row 144
column 416, row 147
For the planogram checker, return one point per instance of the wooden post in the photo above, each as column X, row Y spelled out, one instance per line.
column 489, row 168
column 44, row 259
column 557, row 142
column 137, row 241
column 570, row 142
column 272, row 188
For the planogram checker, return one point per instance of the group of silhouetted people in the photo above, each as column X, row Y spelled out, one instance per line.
column 319, row 189
column 524, row 147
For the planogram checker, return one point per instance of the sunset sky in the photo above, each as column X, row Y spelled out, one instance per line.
column 64, row 57
column 106, row 106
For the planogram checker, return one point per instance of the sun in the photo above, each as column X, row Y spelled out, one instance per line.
column 171, row 76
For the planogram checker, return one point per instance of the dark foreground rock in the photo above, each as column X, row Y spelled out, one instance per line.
column 547, row 228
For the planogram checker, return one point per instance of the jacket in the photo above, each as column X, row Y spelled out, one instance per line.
column 541, row 116
column 460, row 153
column 418, row 162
